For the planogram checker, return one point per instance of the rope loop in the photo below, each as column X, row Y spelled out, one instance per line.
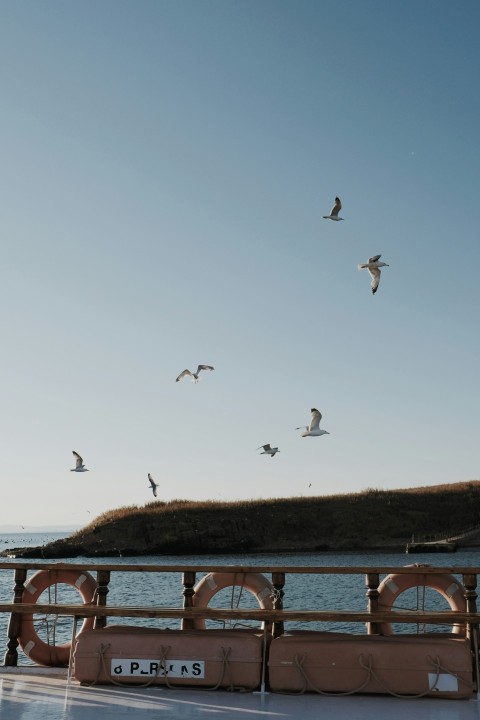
column 366, row 663
column 163, row 666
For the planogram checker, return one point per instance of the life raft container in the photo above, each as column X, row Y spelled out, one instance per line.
column 402, row 665
column 447, row 585
column 37, row 650
column 142, row 656
column 255, row 583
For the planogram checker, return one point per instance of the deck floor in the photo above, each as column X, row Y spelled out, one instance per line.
column 28, row 696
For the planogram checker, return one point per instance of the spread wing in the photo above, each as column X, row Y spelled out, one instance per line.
column 337, row 207
column 315, row 421
column 375, row 275
column 375, row 258
column 204, row 367
column 79, row 460
column 265, row 447
column 182, row 374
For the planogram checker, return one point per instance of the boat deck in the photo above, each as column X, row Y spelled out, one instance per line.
column 29, row 694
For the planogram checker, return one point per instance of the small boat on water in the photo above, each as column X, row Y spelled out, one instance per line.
column 274, row 669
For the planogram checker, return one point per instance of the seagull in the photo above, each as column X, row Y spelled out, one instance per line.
column 268, row 450
column 313, row 429
column 334, row 211
column 79, row 466
column 153, row 484
column 373, row 267
column 195, row 374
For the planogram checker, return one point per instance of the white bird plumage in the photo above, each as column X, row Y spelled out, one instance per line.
column 373, row 266
column 153, row 485
column 79, row 466
column 194, row 375
column 334, row 211
column 268, row 450
column 313, row 430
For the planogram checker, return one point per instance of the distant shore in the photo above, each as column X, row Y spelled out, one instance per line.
column 374, row 520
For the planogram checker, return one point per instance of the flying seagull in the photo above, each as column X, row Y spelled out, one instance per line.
column 313, row 429
column 268, row 450
column 334, row 211
column 79, row 466
column 195, row 374
column 153, row 485
column 373, row 267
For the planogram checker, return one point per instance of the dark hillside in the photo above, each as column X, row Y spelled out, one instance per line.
column 373, row 520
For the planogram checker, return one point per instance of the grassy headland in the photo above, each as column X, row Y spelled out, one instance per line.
column 370, row 520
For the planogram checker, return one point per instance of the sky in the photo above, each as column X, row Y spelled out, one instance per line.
column 164, row 169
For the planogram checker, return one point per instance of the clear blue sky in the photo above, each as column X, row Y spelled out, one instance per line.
column 164, row 170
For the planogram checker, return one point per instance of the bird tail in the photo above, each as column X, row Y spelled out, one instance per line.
column 362, row 267
column 305, row 434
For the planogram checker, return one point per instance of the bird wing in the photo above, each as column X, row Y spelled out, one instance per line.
column 265, row 447
column 153, row 484
column 336, row 208
column 375, row 258
column 204, row 367
column 315, row 421
column 182, row 374
column 79, row 460
column 375, row 275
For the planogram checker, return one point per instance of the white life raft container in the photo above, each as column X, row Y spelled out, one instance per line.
column 400, row 665
column 128, row 655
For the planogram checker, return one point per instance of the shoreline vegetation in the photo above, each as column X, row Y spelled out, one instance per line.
column 374, row 520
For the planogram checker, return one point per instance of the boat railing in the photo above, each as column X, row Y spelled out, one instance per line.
column 273, row 617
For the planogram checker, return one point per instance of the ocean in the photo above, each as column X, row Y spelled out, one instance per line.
column 302, row 591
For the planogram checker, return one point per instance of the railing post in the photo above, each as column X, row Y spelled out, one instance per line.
column 278, row 582
column 188, row 581
column 103, row 579
column 372, row 582
column 470, row 585
column 15, row 622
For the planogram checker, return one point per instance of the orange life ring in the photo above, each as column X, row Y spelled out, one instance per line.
column 36, row 649
column 447, row 585
column 211, row 584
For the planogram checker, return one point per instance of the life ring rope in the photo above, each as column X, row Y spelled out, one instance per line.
column 48, row 653
column 255, row 583
column 445, row 584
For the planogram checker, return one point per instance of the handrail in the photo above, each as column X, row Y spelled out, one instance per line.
column 373, row 616
column 294, row 569
column 441, row 617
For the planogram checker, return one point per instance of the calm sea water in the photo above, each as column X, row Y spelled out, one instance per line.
column 301, row 591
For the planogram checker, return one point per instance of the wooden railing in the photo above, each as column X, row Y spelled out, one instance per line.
column 277, row 616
